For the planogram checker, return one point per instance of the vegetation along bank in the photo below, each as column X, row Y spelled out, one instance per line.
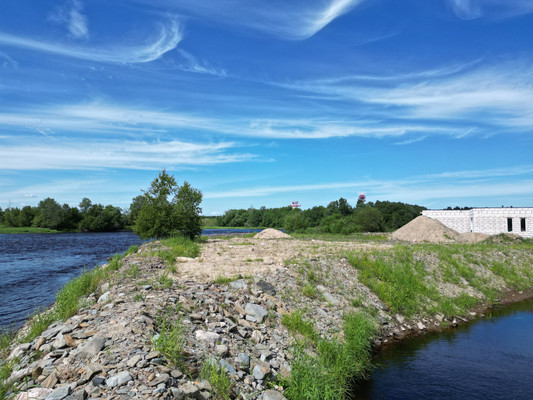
column 265, row 317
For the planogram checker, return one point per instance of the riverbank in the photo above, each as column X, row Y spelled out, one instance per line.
column 259, row 318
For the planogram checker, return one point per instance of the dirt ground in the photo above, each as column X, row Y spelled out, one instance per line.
column 250, row 256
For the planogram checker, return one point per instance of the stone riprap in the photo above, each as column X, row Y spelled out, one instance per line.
column 107, row 349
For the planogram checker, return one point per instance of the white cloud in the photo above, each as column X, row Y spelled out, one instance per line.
column 500, row 96
column 96, row 118
column 291, row 20
column 494, row 9
column 466, row 9
column 168, row 39
column 471, row 184
column 76, row 155
column 73, row 18
column 199, row 67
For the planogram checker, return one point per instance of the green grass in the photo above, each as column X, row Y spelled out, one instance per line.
column 327, row 369
column 218, row 378
column 133, row 249
column 404, row 279
column 165, row 281
column 6, row 338
column 25, row 229
column 295, row 323
column 177, row 246
column 6, row 368
column 224, row 280
column 171, row 336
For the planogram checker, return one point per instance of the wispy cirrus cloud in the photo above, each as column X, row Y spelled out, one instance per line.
column 88, row 155
column 73, row 18
column 518, row 181
column 496, row 9
column 499, row 97
column 290, row 20
column 168, row 38
column 98, row 118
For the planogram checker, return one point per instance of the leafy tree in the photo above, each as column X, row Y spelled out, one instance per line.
column 11, row 217
column 187, row 210
column 369, row 219
column 26, row 216
column 50, row 214
column 159, row 217
column 85, row 205
column 296, row 221
column 135, row 207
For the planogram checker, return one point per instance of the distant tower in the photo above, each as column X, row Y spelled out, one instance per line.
column 362, row 197
column 295, row 204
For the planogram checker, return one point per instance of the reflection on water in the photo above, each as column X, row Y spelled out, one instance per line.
column 490, row 358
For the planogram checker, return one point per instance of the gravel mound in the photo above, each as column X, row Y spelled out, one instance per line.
column 270, row 233
column 425, row 229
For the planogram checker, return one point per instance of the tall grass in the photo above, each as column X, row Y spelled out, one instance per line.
column 170, row 340
column 218, row 378
column 327, row 370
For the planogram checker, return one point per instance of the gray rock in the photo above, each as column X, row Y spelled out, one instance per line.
column 228, row 367
column 221, row 350
column 258, row 373
column 206, row 337
column 162, row 378
column 273, row 395
column 60, row 342
column 238, row 284
column 255, row 311
column 243, row 360
column 189, row 389
column 91, row 370
column 132, row 362
column 177, row 393
column 105, row 297
column 80, row 394
column 91, row 348
column 52, row 331
column 60, row 393
column 266, row 287
column 118, row 379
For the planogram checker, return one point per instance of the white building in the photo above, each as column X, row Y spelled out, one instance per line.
column 487, row 220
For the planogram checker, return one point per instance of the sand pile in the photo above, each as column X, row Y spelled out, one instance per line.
column 425, row 229
column 271, row 234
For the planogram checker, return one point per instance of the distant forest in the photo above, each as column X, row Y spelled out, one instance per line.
column 88, row 217
column 338, row 217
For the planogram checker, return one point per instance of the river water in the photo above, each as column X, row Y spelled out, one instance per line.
column 33, row 267
column 490, row 358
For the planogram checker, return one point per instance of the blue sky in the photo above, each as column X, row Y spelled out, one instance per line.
column 261, row 103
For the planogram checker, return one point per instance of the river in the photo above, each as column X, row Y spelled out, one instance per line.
column 33, row 267
column 490, row 358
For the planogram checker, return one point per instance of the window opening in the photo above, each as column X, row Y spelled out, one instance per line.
column 509, row 224
column 522, row 224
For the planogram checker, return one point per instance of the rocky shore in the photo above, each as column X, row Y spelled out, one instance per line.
column 228, row 303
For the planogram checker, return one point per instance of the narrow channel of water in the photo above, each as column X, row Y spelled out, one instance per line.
column 490, row 358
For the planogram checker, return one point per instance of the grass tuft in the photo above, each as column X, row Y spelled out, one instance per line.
column 218, row 378
column 171, row 337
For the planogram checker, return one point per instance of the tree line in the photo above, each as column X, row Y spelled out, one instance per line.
column 87, row 217
column 164, row 209
column 338, row 217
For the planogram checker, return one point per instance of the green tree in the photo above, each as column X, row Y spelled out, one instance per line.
column 159, row 217
column 26, row 216
column 187, row 210
column 369, row 219
column 135, row 206
column 296, row 221
column 50, row 214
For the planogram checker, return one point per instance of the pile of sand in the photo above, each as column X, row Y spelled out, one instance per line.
column 425, row 229
column 270, row 233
